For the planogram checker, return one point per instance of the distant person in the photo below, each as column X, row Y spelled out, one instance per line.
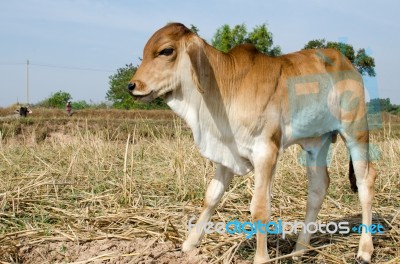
column 69, row 108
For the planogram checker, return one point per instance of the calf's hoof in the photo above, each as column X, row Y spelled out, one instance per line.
column 365, row 252
column 298, row 252
column 261, row 259
column 188, row 246
column 363, row 260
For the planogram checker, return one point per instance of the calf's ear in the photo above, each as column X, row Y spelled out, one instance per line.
column 202, row 72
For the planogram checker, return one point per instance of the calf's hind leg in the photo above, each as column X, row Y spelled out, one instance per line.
column 358, row 145
column 260, row 207
column 365, row 177
column 318, row 182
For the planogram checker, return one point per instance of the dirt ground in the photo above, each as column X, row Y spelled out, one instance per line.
column 138, row 250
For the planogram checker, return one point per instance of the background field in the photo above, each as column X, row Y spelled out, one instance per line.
column 109, row 186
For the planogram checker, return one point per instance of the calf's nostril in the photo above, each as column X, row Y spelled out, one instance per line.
column 131, row 86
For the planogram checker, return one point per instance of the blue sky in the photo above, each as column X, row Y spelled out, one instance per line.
column 74, row 46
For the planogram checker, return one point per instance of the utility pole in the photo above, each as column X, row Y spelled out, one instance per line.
column 27, row 82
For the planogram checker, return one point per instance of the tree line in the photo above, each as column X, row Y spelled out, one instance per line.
column 378, row 105
column 224, row 39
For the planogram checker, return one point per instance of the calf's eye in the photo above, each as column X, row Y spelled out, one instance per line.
column 166, row 52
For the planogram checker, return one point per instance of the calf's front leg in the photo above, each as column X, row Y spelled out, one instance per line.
column 215, row 191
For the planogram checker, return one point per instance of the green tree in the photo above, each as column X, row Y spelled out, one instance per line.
column 57, row 100
column 194, row 29
column 82, row 104
column 226, row 38
column 262, row 39
column 223, row 39
column 118, row 93
column 364, row 64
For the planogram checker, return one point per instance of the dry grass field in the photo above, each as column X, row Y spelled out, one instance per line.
column 108, row 186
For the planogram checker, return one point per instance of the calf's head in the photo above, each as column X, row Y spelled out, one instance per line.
column 165, row 61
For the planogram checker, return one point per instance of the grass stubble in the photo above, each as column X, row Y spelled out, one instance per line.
column 84, row 179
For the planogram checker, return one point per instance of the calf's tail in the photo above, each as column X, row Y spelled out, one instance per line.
column 352, row 177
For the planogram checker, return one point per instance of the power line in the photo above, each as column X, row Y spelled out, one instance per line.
column 12, row 63
column 57, row 66
column 70, row 67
